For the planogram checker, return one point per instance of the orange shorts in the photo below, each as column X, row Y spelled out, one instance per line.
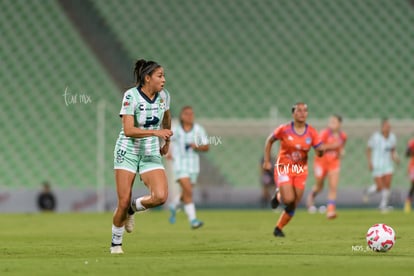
column 322, row 168
column 296, row 180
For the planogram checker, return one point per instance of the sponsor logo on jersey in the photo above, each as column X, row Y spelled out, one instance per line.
column 142, row 107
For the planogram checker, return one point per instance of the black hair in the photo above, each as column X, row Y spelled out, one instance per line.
column 296, row 105
column 144, row 68
column 338, row 117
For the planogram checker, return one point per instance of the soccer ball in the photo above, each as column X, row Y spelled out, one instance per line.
column 380, row 237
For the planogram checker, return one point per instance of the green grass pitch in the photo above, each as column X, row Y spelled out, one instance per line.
column 232, row 242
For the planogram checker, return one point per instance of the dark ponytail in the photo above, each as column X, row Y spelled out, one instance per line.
column 143, row 68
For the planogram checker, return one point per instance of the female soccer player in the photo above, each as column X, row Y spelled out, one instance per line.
column 380, row 154
column 145, row 119
column 328, row 165
column 189, row 139
column 296, row 139
column 410, row 153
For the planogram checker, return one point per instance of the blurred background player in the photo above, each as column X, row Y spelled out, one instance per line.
column 267, row 182
column 410, row 154
column 46, row 200
column 381, row 154
column 145, row 119
column 329, row 164
column 296, row 139
column 188, row 141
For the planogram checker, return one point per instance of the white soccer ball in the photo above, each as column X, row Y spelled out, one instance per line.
column 380, row 237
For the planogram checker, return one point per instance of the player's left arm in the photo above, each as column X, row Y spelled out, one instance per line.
column 317, row 143
column 166, row 124
column 394, row 156
column 201, row 136
column 394, row 153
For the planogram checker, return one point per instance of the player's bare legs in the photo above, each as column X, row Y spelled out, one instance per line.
column 407, row 205
column 290, row 196
column 385, row 192
column 156, row 181
column 186, row 198
column 124, row 182
column 333, row 179
column 316, row 189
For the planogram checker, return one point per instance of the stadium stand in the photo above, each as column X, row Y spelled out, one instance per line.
column 229, row 59
column 45, row 135
column 238, row 59
column 241, row 59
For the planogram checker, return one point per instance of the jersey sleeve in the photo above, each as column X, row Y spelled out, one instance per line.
column 128, row 104
column 393, row 141
column 278, row 132
column 410, row 145
column 167, row 99
column 371, row 141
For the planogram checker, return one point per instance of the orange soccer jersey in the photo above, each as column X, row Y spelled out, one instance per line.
column 293, row 153
column 410, row 147
column 330, row 160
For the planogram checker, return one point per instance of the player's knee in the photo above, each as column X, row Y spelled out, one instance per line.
column 290, row 208
column 123, row 204
column 288, row 201
column 160, row 197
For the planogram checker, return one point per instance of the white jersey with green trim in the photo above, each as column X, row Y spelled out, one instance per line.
column 148, row 114
column 381, row 149
column 185, row 158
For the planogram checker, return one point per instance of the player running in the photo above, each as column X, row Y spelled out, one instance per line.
column 188, row 141
column 328, row 166
column 410, row 153
column 145, row 119
column 381, row 154
column 296, row 139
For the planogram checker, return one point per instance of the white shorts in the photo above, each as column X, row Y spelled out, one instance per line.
column 381, row 171
column 184, row 174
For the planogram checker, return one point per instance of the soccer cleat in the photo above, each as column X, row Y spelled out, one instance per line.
column 195, row 224
column 407, row 206
column 116, row 249
column 365, row 196
column 386, row 209
column 129, row 223
column 312, row 209
column 173, row 213
column 331, row 215
column 274, row 202
column 278, row 232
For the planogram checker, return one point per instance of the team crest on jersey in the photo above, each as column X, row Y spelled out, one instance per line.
column 290, row 138
column 162, row 105
column 308, row 140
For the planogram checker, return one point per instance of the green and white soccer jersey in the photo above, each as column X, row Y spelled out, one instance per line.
column 381, row 149
column 187, row 160
column 148, row 114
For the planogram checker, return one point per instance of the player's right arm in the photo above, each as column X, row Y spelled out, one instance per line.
column 135, row 132
column 410, row 149
column 267, row 165
column 369, row 152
